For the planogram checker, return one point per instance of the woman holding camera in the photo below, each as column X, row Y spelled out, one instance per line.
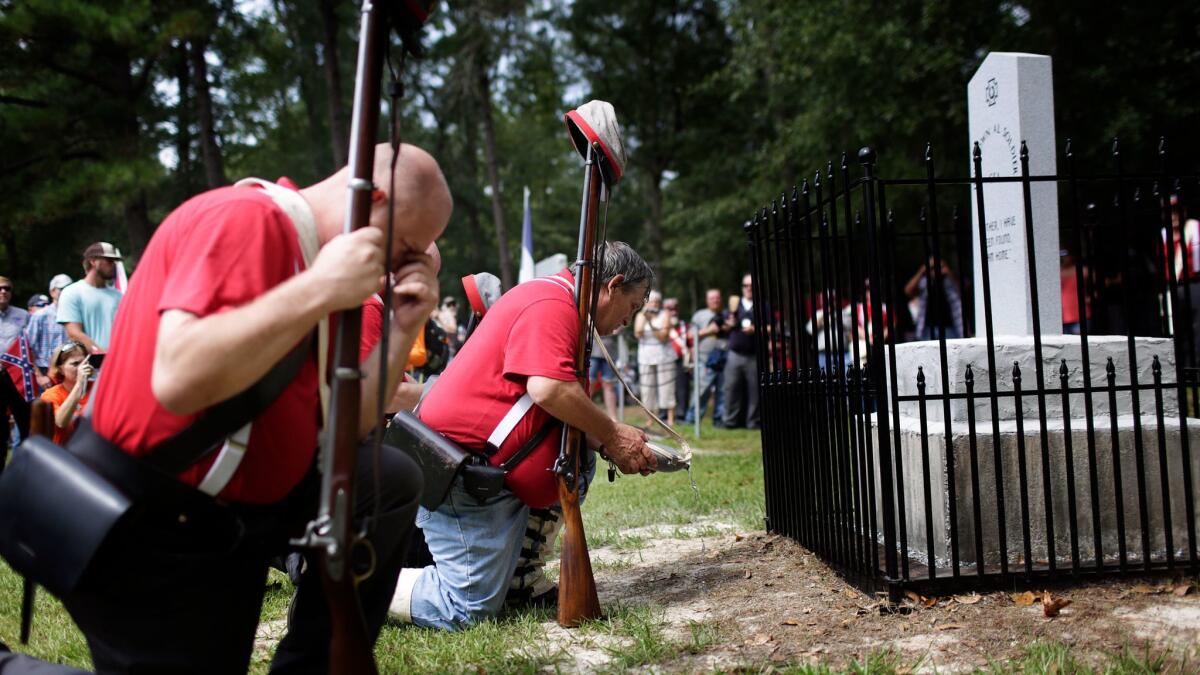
column 656, row 358
column 70, row 367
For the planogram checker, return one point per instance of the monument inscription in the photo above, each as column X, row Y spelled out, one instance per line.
column 1010, row 100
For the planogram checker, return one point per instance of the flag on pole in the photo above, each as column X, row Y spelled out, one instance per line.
column 526, row 243
column 18, row 364
column 121, row 283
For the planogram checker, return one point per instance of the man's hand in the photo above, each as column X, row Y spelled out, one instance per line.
column 350, row 267
column 626, row 448
column 415, row 294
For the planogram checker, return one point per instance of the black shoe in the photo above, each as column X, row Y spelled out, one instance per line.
column 520, row 600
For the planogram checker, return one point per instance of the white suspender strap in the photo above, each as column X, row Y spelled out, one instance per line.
column 227, row 463
column 509, row 421
column 230, row 456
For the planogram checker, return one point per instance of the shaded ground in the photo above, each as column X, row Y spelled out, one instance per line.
column 765, row 600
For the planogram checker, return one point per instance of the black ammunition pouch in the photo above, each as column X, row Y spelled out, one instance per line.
column 442, row 460
column 59, row 505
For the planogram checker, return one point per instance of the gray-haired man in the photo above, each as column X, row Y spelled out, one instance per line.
column 518, row 366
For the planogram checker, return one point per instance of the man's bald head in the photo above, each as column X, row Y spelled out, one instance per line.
column 422, row 198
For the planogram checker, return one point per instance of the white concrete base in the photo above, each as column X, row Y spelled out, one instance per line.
column 973, row 352
column 911, row 463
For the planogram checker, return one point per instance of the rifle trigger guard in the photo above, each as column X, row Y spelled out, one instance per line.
column 374, row 558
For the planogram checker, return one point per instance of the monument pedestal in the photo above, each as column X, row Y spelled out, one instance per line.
column 946, row 446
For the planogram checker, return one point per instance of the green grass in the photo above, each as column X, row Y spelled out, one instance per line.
column 729, row 488
column 1049, row 657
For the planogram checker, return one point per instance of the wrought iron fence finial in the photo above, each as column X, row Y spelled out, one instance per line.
column 866, row 155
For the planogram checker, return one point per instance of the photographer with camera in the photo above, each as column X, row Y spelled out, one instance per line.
column 655, row 357
column 72, row 368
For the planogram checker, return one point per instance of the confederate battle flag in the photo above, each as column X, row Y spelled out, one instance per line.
column 18, row 362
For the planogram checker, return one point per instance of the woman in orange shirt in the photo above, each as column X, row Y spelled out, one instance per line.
column 69, row 365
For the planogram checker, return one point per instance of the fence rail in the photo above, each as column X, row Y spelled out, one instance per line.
column 927, row 448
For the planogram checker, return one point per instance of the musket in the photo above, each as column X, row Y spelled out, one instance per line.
column 332, row 533
column 577, row 599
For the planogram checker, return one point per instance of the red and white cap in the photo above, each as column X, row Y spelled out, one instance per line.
column 483, row 290
column 596, row 122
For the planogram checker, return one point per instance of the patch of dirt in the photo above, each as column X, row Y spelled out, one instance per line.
column 772, row 601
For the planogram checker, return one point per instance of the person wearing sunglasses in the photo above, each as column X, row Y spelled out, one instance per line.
column 12, row 319
column 70, row 368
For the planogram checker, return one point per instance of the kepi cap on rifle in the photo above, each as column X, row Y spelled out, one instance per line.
column 596, row 122
column 408, row 16
column 483, row 290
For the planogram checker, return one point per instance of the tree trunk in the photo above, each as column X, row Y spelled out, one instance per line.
column 654, row 233
column 339, row 131
column 183, row 122
column 210, row 149
column 138, row 224
column 470, row 205
column 484, row 94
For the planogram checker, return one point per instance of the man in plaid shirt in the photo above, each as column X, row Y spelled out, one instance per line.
column 44, row 333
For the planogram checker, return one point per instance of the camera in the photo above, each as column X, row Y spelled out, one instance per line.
column 94, row 360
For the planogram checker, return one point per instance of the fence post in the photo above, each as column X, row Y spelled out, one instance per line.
column 866, row 156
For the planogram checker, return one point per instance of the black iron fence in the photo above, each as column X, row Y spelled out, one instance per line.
column 914, row 438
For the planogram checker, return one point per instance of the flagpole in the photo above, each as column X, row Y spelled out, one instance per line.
column 527, row 268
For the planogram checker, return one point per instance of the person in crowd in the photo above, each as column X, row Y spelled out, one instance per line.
column 224, row 292
column 88, row 307
column 523, row 351
column 600, row 369
column 1070, row 294
column 447, row 318
column 1184, row 252
column 69, row 367
column 939, row 310
column 741, row 365
column 12, row 319
column 655, row 358
column 709, row 324
column 36, row 302
column 45, row 333
column 682, row 350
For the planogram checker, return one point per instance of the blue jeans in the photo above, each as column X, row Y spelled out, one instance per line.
column 475, row 549
column 711, row 384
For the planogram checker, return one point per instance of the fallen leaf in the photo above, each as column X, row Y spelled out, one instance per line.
column 1146, row 590
column 968, row 599
column 1052, row 605
column 1024, row 599
column 738, row 537
column 904, row 670
column 850, row 593
column 789, row 622
column 749, row 574
column 806, row 610
column 1182, row 590
column 760, row 639
column 950, row 626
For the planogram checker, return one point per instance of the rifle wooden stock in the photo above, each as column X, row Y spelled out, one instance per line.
column 41, row 423
column 577, row 599
column 351, row 647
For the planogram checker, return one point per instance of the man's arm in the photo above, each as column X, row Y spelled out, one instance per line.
column 200, row 361
column 566, row 401
column 75, row 332
column 415, row 296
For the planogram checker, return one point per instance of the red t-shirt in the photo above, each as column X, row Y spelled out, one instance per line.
column 531, row 330
column 217, row 251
